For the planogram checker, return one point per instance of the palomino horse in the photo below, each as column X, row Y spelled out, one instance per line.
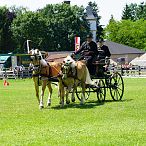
column 74, row 73
column 45, row 70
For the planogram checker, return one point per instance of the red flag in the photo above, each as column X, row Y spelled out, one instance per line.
column 77, row 43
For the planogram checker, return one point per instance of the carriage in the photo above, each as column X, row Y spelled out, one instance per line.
column 104, row 80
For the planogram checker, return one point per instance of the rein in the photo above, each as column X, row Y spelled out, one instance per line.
column 52, row 60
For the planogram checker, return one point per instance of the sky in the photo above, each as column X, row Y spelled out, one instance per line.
column 106, row 7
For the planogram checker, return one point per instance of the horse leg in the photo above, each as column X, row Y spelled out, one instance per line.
column 61, row 93
column 73, row 93
column 50, row 93
column 67, row 93
column 35, row 79
column 44, row 83
column 83, row 93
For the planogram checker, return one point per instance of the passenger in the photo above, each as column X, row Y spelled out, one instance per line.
column 103, row 56
column 103, row 49
column 89, row 51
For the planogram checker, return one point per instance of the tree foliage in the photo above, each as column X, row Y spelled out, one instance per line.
column 134, row 11
column 51, row 28
column 127, row 32
column 6, row 41
column 29, row 26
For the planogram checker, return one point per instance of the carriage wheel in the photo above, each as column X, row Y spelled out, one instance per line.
column 79, row 92
column 116, row 86
column 101, row 91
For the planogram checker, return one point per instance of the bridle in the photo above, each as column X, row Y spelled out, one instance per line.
column 36, row 66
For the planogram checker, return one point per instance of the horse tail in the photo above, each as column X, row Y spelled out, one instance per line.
column 88, row 78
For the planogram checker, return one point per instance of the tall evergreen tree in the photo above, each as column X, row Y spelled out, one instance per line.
column 134, row 12
column 126, row 13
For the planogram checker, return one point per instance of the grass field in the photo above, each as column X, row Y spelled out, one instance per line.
column 109, row 124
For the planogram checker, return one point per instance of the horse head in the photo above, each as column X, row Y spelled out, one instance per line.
column 68, row 65
column 37, row 58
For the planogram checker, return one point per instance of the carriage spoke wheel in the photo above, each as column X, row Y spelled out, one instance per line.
column 79, row 92
column 101, row 90
column 116, row 86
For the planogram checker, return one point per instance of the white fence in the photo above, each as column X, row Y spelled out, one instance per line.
column 132, row 71
column 11, row 74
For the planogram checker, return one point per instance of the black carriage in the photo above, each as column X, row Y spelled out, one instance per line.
column 104, row 81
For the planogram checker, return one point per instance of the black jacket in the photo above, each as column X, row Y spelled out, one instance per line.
column 104, row 52
column 88, row 49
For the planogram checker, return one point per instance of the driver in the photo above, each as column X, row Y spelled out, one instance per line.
column 89, row 51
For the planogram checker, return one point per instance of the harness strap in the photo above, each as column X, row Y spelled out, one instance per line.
column 35, row 75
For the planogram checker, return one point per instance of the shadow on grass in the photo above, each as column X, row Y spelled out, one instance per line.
column 87, row 105
column 125, row 100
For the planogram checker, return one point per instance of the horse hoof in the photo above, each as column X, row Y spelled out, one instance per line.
column 61, row 104
column 81, row 103
column 48, row 104
column 73, row 100
column 68, row 102
column 41, row 107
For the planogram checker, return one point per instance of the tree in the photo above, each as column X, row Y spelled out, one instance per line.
column 68, row 22
column 128, row 32
column 31, row 26
column 134, row 12
column 51, row 28
column 126, row 13
column 6, row 41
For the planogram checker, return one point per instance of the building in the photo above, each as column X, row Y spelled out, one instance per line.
column 92, row 21
column 117, row 51
column 122, row 51
column 140, row 61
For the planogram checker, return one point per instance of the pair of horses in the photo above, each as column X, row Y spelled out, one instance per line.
column 69, row 74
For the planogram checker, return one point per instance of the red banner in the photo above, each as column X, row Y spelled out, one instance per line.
column 77, row 43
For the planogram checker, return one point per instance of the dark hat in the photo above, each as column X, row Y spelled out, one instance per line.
column 100, row 40
column 89, row 35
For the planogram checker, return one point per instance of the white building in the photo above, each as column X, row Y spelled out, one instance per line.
column 92, row 21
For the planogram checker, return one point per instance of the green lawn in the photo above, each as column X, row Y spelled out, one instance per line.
column 93, row 124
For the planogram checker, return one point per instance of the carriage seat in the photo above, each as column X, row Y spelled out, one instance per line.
column 101, row 66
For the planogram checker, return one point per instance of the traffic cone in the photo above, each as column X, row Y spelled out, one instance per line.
column 6, row 83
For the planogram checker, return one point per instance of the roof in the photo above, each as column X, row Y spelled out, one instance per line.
column 58, row 56
column 89, row 12
column 116, row 48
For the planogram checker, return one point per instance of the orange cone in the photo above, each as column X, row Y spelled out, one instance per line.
column 6, row 83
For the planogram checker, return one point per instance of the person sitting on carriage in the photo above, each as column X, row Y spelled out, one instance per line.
column 104, row 53
column 88, row 52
